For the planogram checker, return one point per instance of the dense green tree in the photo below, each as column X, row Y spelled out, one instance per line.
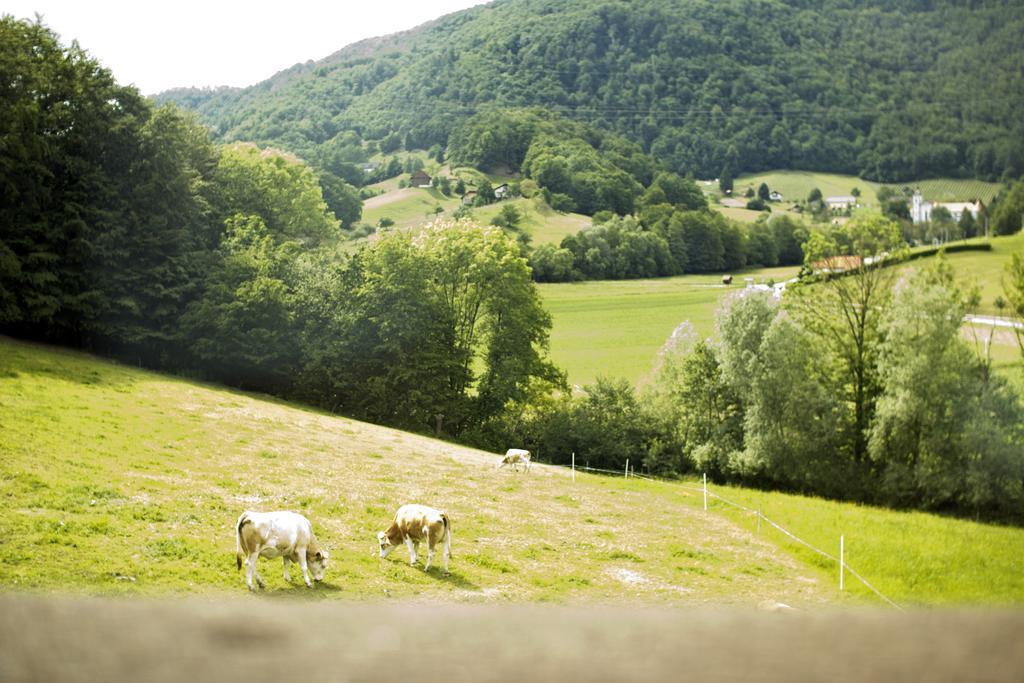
column 276, row 186
column 551, row 264
column 342, row 200
column 704, row 416
column 935, row 429
column 790, row 417
column 1008, row 214
column 242, row 329
column 843, row 311
column 507, row 218
column 1013, row 286
column 484, row 193
column 763, row 193
column 967, row 226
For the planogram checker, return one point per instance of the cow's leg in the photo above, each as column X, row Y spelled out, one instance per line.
column 287, row 575
column 302, row 563
column 447, row 547
column 249, row 571
column 413, row 547
column 255, row 573
column 430, row 552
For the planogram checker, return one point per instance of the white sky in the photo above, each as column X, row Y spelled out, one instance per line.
column 161, row 45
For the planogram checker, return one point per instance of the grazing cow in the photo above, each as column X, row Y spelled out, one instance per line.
column 283, row 534
column 513, row 457
column 415, row 523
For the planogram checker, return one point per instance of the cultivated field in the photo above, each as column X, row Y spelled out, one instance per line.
column 118, row 481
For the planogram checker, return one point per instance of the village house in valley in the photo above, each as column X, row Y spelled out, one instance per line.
column 841, row 202
column 419, row 179
column 921, row 211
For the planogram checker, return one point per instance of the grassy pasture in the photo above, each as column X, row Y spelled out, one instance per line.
column 118, row 481
column 543, row 224
column 905, row 555
column 616, row 327
column 409, row 207
column 796, row 185
column 985, row 268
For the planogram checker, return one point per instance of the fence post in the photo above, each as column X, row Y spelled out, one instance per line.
column 626, row 474
column 842, row 561
column 705, row 492
column 574, row 465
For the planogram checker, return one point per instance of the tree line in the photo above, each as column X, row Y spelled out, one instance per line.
column 857, row 386
column 127, row 232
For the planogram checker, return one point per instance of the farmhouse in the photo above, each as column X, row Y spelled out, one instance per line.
column 501, row 191
column 775, row 196
column 469, row 198
column 419, row 179
column 921, row 211
column 841, row 202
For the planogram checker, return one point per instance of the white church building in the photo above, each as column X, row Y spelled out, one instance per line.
column 921, row 211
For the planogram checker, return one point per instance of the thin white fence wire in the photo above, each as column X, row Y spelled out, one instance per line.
column 761, row 516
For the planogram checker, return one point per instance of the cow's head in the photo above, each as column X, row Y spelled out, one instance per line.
column 317, row 564
column 386, row 546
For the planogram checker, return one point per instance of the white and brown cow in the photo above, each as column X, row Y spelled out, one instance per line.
column 415, row 523
column 283, row 534
column 515, row 457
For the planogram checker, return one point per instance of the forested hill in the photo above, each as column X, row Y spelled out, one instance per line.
column 887, row 89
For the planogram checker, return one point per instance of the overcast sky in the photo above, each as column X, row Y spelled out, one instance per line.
column 161, row 45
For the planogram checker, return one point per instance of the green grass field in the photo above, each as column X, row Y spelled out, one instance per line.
column 796, row 185
column 986, row 269
column 409, row 208
column 120, row 481
column 543, row 224
column 904, row 555
column 115, row 480
column 615, row 328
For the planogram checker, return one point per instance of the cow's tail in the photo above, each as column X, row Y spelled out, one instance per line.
column 447, row 533
column 242, row 521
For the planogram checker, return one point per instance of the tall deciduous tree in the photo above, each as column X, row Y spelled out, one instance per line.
column 276, row 186
column 945, row 432
column 844, row 308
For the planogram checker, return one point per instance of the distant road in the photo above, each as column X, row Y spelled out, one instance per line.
column 258, row 638
column 995, row 322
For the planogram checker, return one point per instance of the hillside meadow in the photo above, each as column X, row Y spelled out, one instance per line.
column 796, row 185
column 120, row 481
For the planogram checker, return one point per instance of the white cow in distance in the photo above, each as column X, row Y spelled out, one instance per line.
column 415, row 523
column 515, row 456
column 283, row 534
